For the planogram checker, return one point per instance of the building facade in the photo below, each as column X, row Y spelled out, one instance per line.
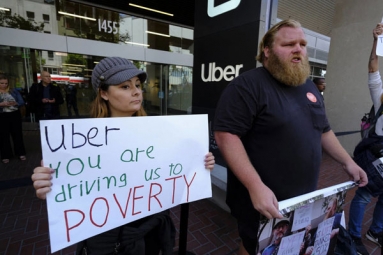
column 68, row 38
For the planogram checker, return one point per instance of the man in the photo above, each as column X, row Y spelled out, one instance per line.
column 363, row 196
column 45, row 98
column 270, row 126
column 71, row 99
column 279, row 231
column 320, row 83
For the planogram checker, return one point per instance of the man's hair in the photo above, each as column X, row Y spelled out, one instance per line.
column 3, row 77
column 268, row 38
column 317, row 79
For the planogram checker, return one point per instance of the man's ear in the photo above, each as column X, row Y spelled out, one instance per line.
column 266, row 51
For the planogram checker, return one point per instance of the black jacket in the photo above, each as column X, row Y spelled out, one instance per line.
column 35, row 96
column 147, row 236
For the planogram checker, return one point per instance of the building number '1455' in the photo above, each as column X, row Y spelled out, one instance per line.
column 107, row 26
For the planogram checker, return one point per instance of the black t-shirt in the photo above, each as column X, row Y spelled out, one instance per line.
column 280, row 127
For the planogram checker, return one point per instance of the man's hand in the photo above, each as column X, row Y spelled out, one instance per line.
column 356, row 174
column 309, row 250
column 264, row 201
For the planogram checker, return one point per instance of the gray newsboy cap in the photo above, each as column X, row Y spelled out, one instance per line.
column 114, row 71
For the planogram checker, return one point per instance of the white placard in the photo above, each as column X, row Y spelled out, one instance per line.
column 112, row 171
column 290, row 245
column 379, row 45
column 323, row 236
column 378, row 164
column 302, row 217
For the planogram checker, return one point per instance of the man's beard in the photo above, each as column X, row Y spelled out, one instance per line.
column 291, row 74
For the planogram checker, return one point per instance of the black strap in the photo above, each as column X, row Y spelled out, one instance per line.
column 377, row 115
column 370, row 131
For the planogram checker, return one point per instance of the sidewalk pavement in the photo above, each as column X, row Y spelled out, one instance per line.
column 212, row 230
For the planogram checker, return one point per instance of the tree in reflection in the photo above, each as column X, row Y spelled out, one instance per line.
column 19, row 22
column 75, row 59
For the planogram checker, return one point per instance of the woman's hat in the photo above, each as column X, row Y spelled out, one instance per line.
column 114, row 71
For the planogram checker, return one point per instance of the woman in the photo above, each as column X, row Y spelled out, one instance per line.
column 10, row 122
column 119, row 94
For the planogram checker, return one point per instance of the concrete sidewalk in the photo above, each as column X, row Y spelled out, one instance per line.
column 212, row 230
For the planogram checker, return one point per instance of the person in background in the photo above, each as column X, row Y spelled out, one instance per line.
column 118, row 84
column 362, row 196
column 10, row 122
column 45, row 98
column 271, row 126
column 320, row 83
column 71, row 99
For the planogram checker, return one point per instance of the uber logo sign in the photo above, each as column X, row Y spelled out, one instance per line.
column 228, row 73
column 213, row 11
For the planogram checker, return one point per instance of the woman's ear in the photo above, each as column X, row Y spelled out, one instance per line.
column 104, row 95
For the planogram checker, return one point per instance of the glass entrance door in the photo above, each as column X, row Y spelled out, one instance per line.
column 155, row 89
column 168, row 89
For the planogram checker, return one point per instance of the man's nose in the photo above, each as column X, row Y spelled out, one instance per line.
column 297, row 48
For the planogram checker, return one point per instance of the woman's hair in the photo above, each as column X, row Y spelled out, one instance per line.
column 100, row 107
column 268, row 38
column 108, row 72
column 4, row 77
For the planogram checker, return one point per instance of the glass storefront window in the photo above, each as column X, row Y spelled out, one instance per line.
column 317, row 70
column 167, row 91
column 168, row 88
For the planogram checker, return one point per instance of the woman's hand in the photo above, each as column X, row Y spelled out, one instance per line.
column 41, row 178
column 8, row 103
column 209, row 161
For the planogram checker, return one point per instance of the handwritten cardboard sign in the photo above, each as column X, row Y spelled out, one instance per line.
column 112, row 171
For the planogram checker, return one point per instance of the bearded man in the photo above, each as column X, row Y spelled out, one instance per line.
column 279, row 231
column 270, row 126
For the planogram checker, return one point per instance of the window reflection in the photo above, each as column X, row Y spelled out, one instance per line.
column 74, row 19
column 167, row 91
column 317, row 70
column 168, row 88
